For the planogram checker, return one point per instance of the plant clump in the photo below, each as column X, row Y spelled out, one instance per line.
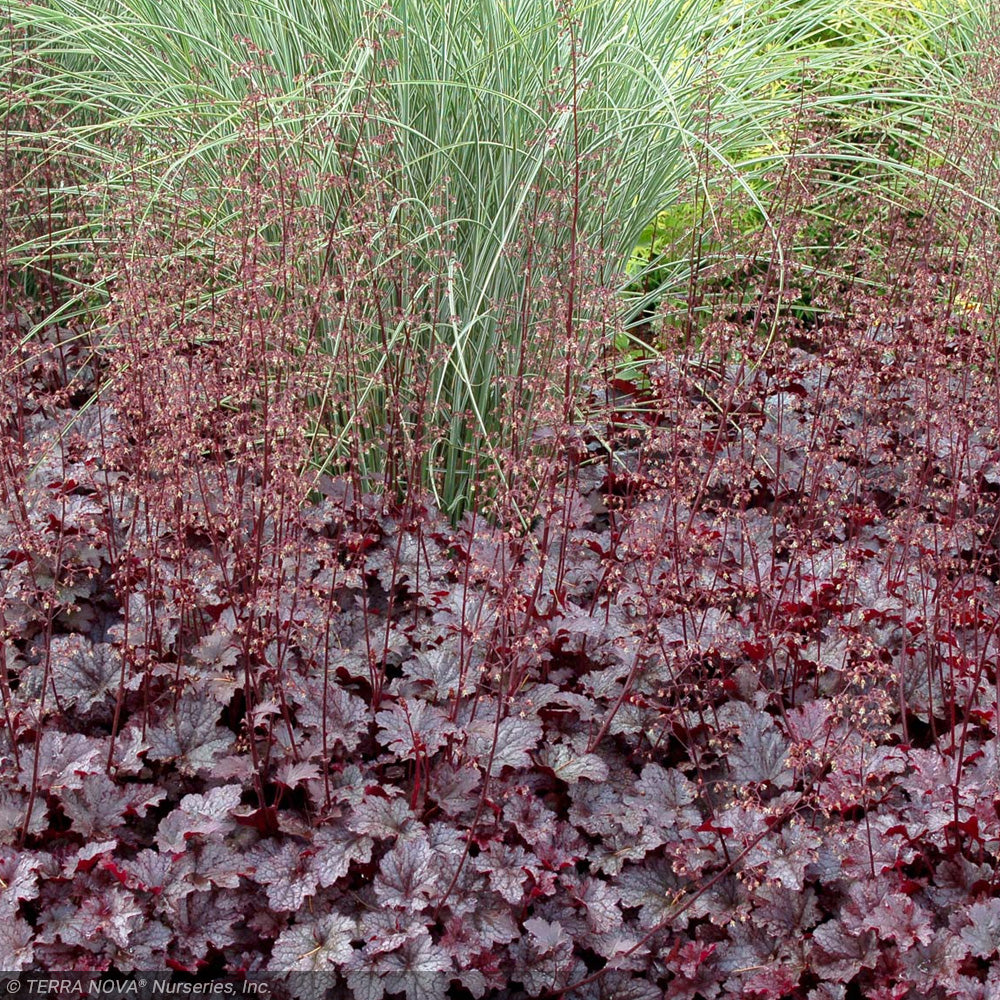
column 696, row 696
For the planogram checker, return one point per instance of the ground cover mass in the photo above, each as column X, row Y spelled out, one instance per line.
column 444, row 563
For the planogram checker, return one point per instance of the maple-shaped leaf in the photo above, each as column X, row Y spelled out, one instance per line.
column 148, row 871
column 506, row 867
column 346, row 714
column 208, row 814
column 762, row 753
column 785, row 855
column 147, row 944
column 664, row 801
column 511, row 742
column 787, row 913
column 570, row 766
column 406, row 876
column 384, row 930
column 838, row 956
column 861, row 771
column 612, row 851
column 928, row 966
column 220, row 648
column 59, row 921
column 291, row 774
column 99, row 805
column 600, row 810
column 439, row 671
column 209, row 865
column 654, row 888
column 64, row 759
column 112, row 913
column 204, row 920
column 190, row 735
column 285, row 872
column 830, row 991
column 880, row 843
column 83, row 672
column 318, row 945
column 18, row 879
column 448, row 846
column 455, row 787
column 600, row 901
column 555, row 701
column 419, row 969
column 811, row 724
column 383, row 818
column 584, row 629
column 126, row 755
column 17, row 939
column 547, row 936
column 366, row 985
column 413, row 728
column 615, row 985
column 82, row 859
column 875, row 905
column 334, row 849
column 461, row 941
column 492, row 921
column 982, row 935
column 750, row 949
column 776, row 979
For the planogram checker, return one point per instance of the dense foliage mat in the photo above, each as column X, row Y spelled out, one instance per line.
column 722, row 724
column 660, row 663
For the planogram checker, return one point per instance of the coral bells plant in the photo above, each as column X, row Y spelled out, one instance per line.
column 697, row 699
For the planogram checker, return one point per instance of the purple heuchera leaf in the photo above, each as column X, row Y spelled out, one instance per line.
column 208, row 815
column 417, row 969
column 82, row 857
column 291, row 774
column 406, row 876
column 100, row 804
column 285, row 872
column 382, row 818
column 506, row 867
column 206, row 919
column 654, row 888
column 762, row 752
column 18, row 879
column 547, row 936
column 346, row 714
column 841, row 954
column 83, row 672
column 439, row 671
column 876, row 906
column 570, row 766
column 149, row 871
column 190, row 735
column 600, row 902
column 455, row 787
column 982, row 935
column 210, row 864
column 314, row 945
column 64, row 759
column 413, row 728
column 335, row 848
column 113, row 913
column 599, row 810
column 220, row 648
column 663, row 799
column 16, row 944
column 515, row 739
